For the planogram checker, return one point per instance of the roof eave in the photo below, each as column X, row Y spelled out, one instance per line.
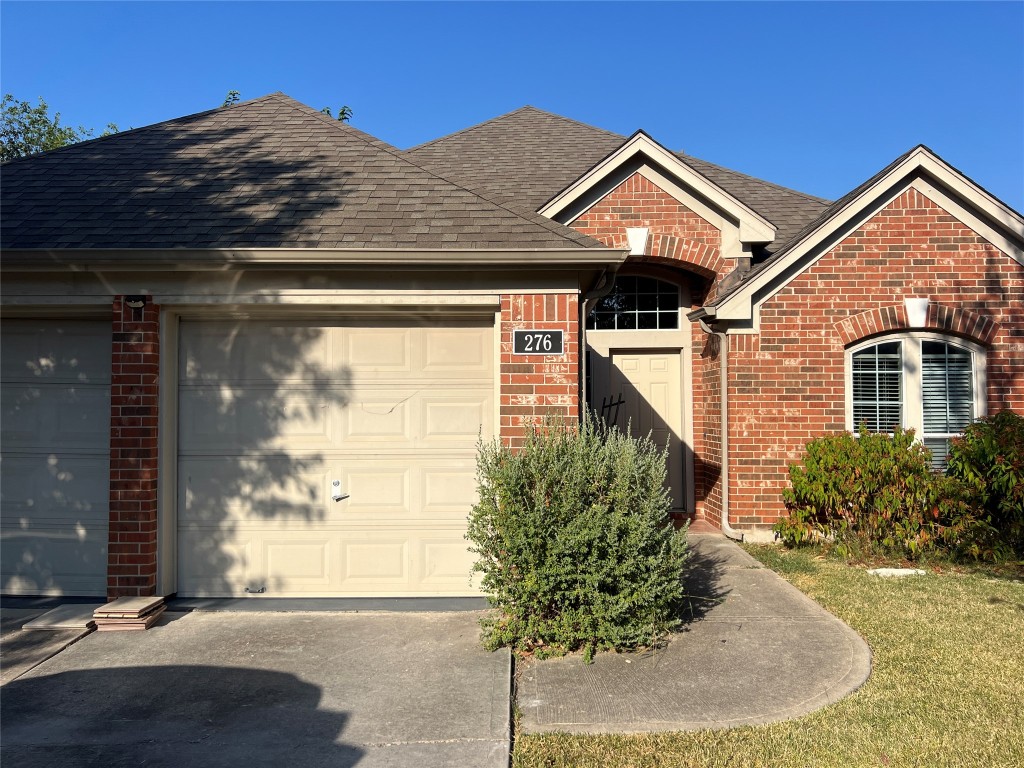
column 227, row 258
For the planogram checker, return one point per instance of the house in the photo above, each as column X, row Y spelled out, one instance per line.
column 251, row 351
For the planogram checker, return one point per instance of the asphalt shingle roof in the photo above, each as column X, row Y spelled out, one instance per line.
column 787, row 209
column 529, row 156
column 265, row 173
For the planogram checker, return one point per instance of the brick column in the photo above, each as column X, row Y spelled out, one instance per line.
column 536, row 386
column 135, row 371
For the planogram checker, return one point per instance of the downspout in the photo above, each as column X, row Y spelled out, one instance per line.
column 723, row 352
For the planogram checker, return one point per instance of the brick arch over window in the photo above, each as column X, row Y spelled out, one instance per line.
column 941, row 317
column 675, row 265
column 701, row 257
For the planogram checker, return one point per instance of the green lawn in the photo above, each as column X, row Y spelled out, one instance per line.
column 946, row 687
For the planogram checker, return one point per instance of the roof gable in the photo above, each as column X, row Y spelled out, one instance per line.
column 530, row 156
column 753, row 228
column 267, row 173
column 921, row 169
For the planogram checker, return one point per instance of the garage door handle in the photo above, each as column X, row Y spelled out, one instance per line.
column 259, row 591
column 336, row 493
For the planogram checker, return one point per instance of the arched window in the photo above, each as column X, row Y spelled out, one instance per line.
column 930, row 383
column 637, row 304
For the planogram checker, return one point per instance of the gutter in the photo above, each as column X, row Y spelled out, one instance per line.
column 727, row 529
column 223, row 258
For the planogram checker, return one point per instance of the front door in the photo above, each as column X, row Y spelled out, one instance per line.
column 641, row 390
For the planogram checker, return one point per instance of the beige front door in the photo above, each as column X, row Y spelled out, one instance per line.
column 642, row 389
column 55, row 468
column 330, row 459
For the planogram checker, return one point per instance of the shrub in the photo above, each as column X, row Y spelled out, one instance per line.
column 873, row 493
column 989, row 459
column 574, row 542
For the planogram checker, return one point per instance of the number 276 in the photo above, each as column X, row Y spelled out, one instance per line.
column 538, row 342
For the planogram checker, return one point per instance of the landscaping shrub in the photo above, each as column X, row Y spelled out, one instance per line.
column 574, row 541
column 875, row 494
column 989, row 459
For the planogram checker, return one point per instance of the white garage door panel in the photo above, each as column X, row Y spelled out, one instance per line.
column 54, row 472
column 460, row 352
column 392, row 409
column 69, row 416
column 54, row 561
column 253, row 353
column 71, row 489
column 228, row 490
column 278, row 491
column 72, row 351
column 324, row 562
column 214, row 562
column 229, row 419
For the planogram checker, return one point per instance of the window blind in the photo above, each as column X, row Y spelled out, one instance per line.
column 878, row 387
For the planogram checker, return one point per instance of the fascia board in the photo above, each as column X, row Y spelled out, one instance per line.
column 225, row 258
column 998, row 212
column 739, row 306
column 754, row 228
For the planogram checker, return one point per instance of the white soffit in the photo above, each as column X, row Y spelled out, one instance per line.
column 933, row 178
column 753, row 227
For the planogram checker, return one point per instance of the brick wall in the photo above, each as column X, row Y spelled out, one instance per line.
column 132, row 553
column 707, row 426
column 677, row 234
column 533, row 386
column 787, row 384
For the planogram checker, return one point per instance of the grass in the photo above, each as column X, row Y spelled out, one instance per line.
column 946, row 687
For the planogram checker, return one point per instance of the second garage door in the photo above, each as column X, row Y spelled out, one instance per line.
column 55, row 467
column 276, row 418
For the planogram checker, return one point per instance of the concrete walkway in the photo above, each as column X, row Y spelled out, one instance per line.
column 21, row 651
column 378, row 689
column 759, row 650
column 267, row 689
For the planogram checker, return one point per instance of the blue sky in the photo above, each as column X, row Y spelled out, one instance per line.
column 812, row 95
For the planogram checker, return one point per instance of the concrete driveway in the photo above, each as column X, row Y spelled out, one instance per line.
column 267, row 689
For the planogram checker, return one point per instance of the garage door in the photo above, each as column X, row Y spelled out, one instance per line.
column 276, row 418
column 54, row 471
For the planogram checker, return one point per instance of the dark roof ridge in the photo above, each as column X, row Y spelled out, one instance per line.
column 552, row 226
column 524, row 108
column 576, row 122
column 684, row 157
column 333, row 121
column 239, row 105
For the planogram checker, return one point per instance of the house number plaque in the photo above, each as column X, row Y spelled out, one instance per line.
column 538, row 343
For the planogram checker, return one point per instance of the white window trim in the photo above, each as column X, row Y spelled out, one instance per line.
column 913, row 401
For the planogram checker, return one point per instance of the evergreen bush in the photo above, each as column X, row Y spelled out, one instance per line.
column 989, row 459
column 574, row 542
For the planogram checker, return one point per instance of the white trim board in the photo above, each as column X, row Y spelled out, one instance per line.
column 921, row 171
column 753, row 228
